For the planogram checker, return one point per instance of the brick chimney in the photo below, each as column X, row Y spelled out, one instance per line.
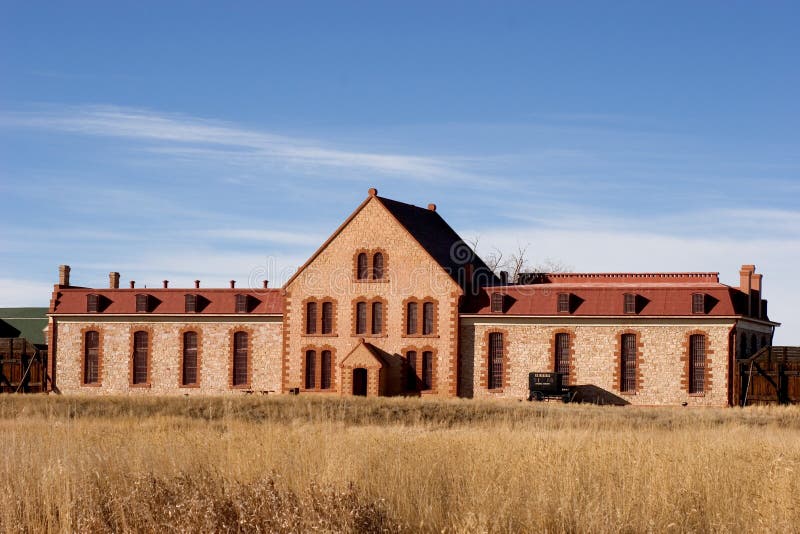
column 63, row 275
column 746, row 285
column 166, row 284
column 113, row 280
column 233, row 284
column 133, row 284
column 197, row 284
column 757, row 292
column 266, row 284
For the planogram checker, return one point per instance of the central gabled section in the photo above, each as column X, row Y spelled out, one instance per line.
column 365, row 283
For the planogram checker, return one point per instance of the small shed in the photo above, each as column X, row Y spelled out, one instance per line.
column 770, row 376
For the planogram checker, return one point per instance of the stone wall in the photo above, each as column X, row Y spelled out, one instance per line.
column 662, row 347
column 165, row 355
column 410, row 272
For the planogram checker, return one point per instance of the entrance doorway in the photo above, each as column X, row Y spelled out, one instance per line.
column 360, row 381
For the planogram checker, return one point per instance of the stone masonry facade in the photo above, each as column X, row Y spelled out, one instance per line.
column 391, row 304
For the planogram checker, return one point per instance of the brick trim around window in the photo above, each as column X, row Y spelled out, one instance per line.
column 82, row 356
column 232, row 352
column 370, row 252
column 618, row 362
column 421, row 317
column 149, row 361
column 354, row 317
column 199, row 331
column 553, row 346
column 318, row 369
column 482, row 360
column 320, row 301
column 686, row 359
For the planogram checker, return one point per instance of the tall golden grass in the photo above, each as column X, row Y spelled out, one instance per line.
column 299, row 464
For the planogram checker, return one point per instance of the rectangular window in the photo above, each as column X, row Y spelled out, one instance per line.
column 142, row 303
column 628, row 363
column 91, row 359
column 189, row 359
column 697, row 363
column 562, row 356
column 427, row 370
column 311, row 369
column 495, row 360
column 190, row 302
column 427, row 318
column 698, row 303
column 242, row 304
column 327, row 317
column 327, row 370
column 563, row 303
column 140, row 346
column 311, row 318
column 240, row 359
column 630, row 303
column 411, row 358
column 377, row 317
column 92, row 303
column 497, row 302
column 411, row 318
column 361, row 318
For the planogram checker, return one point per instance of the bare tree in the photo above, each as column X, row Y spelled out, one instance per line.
column 518, row 263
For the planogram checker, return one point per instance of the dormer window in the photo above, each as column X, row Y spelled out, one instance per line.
column 92, row 303
column 563, row 303
column 497, row 302
column 698, row 303
column 242, row 304
column 629, row 304
column 142, row 303
column 190, row 302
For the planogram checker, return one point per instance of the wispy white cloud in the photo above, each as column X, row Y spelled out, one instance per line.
column 190, row 137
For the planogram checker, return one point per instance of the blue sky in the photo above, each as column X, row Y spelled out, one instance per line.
column 187, row 140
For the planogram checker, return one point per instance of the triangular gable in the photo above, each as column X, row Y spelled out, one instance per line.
column 363, row 355
column 431, row 233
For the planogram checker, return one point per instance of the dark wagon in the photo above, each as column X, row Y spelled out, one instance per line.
column 548, row 386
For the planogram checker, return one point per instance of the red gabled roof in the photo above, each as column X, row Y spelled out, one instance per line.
column 170, row 301
column 602, row 294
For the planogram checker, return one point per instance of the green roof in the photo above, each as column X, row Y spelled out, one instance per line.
column 28, row 323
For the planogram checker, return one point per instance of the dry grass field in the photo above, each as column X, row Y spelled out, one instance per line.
column 300, row 464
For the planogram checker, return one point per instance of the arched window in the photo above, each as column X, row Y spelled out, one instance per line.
column 189, row 365
column 311, row 318
column 311, row 368
column 427, row 318
column 361, row 317
column 377, row 317
column 140, row 350
column 427, row 370
column 327, row 370
column 377, row 266
column 562, row 362
column 495, row 360
column 362, row 269
column 91, row 357
column 411, row 358
column 627, row 373
column 697, row 363
column 411, row 318
column 240, row 363
column 327, row 317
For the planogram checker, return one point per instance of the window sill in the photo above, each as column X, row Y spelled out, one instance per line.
column 629, row 393
column 496, row 390
column 373, row 336
column 703, row 394
column 144, row 386
column 92, row 385
column 371, row 281
column 189, row 386
column 317, row 390
column 319, row 335
column 420, row 336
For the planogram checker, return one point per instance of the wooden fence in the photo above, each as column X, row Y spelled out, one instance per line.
column 770, row 376
column 23, row 366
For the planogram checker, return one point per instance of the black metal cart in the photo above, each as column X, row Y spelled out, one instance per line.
column 548, row 386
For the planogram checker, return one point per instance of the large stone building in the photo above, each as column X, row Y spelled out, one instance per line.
column 395, row 303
